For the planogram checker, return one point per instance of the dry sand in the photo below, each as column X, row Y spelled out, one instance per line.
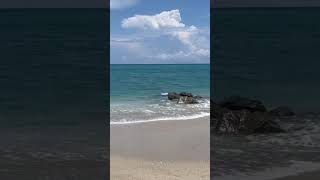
column 164, row 150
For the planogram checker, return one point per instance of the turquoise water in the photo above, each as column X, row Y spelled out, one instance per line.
column 136, row 91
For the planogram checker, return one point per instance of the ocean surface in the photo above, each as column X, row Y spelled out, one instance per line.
column 138, row 92
column 53, row 69
column 271, row 54
column 53, row 95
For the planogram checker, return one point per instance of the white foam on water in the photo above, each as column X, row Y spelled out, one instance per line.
column 296, row 168
column 303, row 135
column 178, row 118
column 148, row 111
column 164, row 94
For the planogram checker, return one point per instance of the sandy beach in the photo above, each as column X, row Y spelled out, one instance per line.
column 163, row 150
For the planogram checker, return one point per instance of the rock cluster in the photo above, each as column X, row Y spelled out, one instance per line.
column 184, row 97
column 241, row 115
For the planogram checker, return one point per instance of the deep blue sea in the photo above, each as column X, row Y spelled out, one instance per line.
column 53, row 68
column 268, row 53
column 53, row 94
column 137, row 91
column 271, row 54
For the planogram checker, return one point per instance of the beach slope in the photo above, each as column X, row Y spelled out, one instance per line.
column 161, row 150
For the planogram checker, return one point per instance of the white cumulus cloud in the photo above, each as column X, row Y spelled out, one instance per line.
column 165, row 19
column 195, row 42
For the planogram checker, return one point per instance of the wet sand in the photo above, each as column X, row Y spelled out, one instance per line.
column 161, row 150
column 315, row 175
column 41, row 153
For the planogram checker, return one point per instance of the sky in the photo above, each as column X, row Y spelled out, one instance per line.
column 103, row 3
column 160, row 32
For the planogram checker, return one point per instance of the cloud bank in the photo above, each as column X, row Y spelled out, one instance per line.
column 193, row 42
column 165, row 19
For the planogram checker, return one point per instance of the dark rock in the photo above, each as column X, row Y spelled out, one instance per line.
column 282, row 111
column 190, row 100
column 183, row 97
column 229, row 123
column 269, row 127
column 173, row 96
column 217, row 111
column 226, row 121
column 186, row 94
column 216, row 119
column 198, row 97
column 242, row 103
column 223, row 121
column 254, row 121
column 261, row 122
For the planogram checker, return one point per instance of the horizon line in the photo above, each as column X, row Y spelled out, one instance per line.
column 222, row 7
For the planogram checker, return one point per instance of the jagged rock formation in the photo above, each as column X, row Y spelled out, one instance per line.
column 240, row 115
column 184, row 97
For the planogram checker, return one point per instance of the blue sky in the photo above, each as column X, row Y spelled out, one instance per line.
column 160, row 31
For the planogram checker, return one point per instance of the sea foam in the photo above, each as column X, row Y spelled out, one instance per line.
column 178, row 118
column 296, row 168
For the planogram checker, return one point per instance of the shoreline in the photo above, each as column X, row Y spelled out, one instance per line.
column 309, row 174
column 296, row 171
column 161, row 150
column 313, row 175
column 53, row 153
column 200, row 116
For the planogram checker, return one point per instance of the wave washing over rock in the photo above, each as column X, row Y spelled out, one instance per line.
column 161, row 108
column 251, row 142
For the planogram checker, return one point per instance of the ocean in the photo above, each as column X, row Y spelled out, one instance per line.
column 53, row 69
column 270, row 54
column 53, row 95
column 138, row 92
